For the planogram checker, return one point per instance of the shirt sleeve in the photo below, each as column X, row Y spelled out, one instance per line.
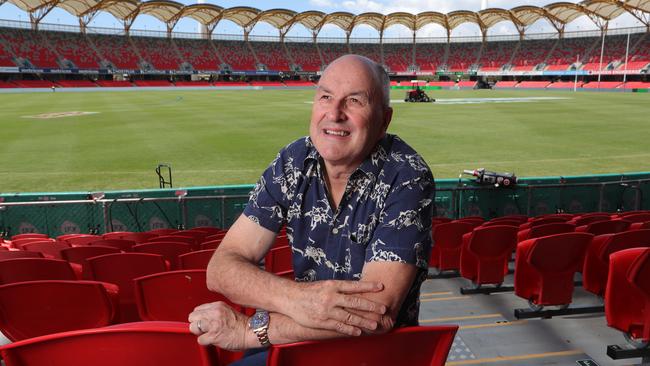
column 267, row 203
column 404, row 230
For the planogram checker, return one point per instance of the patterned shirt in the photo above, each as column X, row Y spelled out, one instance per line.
column 384, row 215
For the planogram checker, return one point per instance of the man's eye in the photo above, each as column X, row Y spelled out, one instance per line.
column 325, row 97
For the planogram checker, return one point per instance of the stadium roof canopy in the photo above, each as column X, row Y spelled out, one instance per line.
column 170, row 12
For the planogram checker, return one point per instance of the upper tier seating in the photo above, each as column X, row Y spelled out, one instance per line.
column 305, row 55
column 332, row 51
column 462, row 55
column 398, row 56
column 496, row 54
column 30, row 45
column 73, row 47
column 236, row 54
column 272, row 55
column 198, row 53
column 531, row 53
column 371, row 51
column 428, row 56
column 117, row 50
column 159, row 52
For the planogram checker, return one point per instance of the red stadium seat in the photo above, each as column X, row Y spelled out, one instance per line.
column 545, row 267
column 514, row 223
column 80, row 254
column 588, row 219
column 212, row 244
column 413, row 346
column 597, row 258
column 49, row 249
column 604, row 227
column 195, row 260
column 169, row 250
column 81, row 240
column 35, row 269
column 542, row 221
column 31, row 309
column 624, row 301
column 124, row 245
column 6, row 254
column 161, row 232
column 29, row 236
column 485, row 253
column 639, row 276
column 133, row 344
column 544, row 230
column 448, row 239
column 18, row 243
column 637, row 217
column 173, row 295
column 121, row 269
column 135, row 237
column 279, row 259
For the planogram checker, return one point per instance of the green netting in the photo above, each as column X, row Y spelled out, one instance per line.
column 76, row 212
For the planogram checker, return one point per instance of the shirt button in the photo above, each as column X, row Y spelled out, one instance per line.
column 335, row 231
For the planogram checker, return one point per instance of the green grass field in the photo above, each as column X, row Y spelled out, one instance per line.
column 228, row 137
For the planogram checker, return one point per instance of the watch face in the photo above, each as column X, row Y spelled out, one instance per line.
column 260, row 319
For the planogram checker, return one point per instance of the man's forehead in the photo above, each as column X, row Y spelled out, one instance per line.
column 336, row 89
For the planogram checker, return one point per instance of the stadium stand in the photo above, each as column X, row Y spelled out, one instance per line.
column 398, row 57
column 272, row 55
column 332, row 51
column 31, row 46
column 198, row 53
column 448, row 239
column 114, row 83
column 428, row 56
column 601, row 85
column 370, row 50
column 462, row 56
column 76, row 84
column 73, row 47
column 161, row 53
column 569, row 50
column 530, row 53
column 533, row 84
column 304, row 55
column 494, row 55
column 564, row 85
column 152, row 83
column 117, row 50
column 237, row 54
column 505, row 84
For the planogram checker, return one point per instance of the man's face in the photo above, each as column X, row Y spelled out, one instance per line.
column 348, row 117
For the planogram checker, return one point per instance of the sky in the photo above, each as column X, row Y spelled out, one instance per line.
column 9, row 11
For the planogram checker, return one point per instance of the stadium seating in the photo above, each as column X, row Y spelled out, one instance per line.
column 152, row 83
column 505, row 84
column 533, row 84
column 305, row 55
column 195, row 260
column 597, row 258
column 394, row 348
column 564, row 85
column 114, row 83
column 197, row 53
column 80, row 254
column 638, row 276
column 121, row 269
column 35, row 308
column 604, row 227
column 30, row 45
column 462, row 56
column 19, row 243
column 47, row 248
column 625, row 302
column 279, row 260
column 545, row 267
column 13, row 254
column 35, row 269
column 544, row 230
column 120, row 244
column 602, row 85
column 29, row 236
column 398, row 57
column 73, row 47
column 76, row 83
column 169, row 250
column 496, row 54
column 78, row 240
column 568, row 50
column 332, row 51
column 531, row 53
column 272, row 55
column 133, row 344
column 173, row 295
column 485, row 253
column 369, row 50
column 428, row 56
column 236, row 54
column 116, row 50
column 448, row 239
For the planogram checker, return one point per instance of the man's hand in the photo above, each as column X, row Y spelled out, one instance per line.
column 220, row 325
column 325, row 304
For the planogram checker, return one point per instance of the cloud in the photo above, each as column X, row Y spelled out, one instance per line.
column 322, row 3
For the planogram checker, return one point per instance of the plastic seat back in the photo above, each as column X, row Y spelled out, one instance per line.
column 485, row 253
column 29, row 236
column 35, row 269
column 80, row 254
column 605, row 227
column 448, row 239
column 13, row 254
column 49, row 249
column 211, row 244
column 19, row 243
column 121, row 269
column 173, row 295
column 169, row 250
column 132, row 344
column 413, row 346
column 78, row 241
column 624, row 302
column 639, row 276
column 161, row 232
column 31, row 309
column 124, row 245
column 279, row 259
column 638, row 217
column 195, row 260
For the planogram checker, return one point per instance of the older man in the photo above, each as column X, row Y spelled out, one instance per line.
column 357, row 204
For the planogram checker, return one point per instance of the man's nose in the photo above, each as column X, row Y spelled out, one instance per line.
column 336, row 112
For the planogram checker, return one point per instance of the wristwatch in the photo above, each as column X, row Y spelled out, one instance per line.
column 259, row 324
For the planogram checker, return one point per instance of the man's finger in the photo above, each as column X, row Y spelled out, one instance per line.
column 360, row 303
column 353, row 319
column 356, row 287
column 343, row 328
column 205, row 339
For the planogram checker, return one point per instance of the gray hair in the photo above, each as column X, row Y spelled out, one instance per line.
column 383, row 82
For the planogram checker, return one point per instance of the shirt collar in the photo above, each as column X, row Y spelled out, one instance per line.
column 372, row 165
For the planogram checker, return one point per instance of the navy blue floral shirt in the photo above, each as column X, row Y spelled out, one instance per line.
column 384, row 215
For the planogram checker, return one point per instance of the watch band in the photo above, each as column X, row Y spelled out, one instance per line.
column 263, row 335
